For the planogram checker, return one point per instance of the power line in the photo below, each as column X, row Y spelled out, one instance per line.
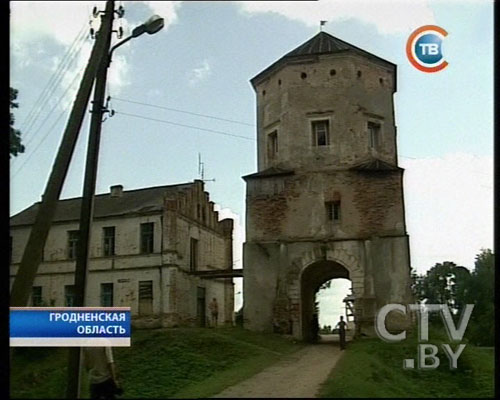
column 185, row 112
column 55, row 79
column 54, row 107
column 50, row 130
column 185, row 126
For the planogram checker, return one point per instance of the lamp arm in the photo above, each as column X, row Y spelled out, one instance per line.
column 116, row 46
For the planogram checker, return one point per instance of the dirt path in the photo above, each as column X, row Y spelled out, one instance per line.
column 297, row 375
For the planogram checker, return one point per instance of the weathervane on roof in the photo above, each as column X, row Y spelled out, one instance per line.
column 321, row 23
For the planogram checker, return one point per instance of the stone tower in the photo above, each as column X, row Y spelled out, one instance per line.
column 327, row 200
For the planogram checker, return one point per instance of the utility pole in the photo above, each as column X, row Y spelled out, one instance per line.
column 87, row 206
column 32, row 255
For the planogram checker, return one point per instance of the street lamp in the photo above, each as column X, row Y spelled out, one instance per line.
column 151, row 26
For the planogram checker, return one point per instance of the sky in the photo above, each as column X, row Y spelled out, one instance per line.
column 195, row 74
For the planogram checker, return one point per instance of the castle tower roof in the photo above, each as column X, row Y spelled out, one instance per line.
column 321, row 43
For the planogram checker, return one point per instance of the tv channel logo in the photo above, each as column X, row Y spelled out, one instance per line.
column 424, row 48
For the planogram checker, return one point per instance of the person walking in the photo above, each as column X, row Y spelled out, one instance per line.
column 101, row 369
column 341, row 325
column 214, row 311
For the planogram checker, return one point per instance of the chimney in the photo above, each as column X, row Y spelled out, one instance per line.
column 116, row 190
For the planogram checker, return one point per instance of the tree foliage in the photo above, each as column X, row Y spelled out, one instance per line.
column 15, row 144
column 448, row 283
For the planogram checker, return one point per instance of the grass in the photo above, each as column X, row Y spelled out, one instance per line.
column 162, row 363
column 373, row 368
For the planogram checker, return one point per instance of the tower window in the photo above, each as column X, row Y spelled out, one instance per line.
column 303, row 75
column 333, row 210
column 320, row 133
column 374, row 134
column 272, row 144
column 359, row 74
column 332, row 72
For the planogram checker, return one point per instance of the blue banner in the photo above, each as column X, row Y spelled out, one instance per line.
column 75, row 326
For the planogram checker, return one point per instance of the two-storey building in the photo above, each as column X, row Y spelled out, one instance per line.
column 148, row 247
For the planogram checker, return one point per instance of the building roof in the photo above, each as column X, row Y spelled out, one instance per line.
column 321, row 43
column 136, row 201
column 374, row 164
column 272, row 171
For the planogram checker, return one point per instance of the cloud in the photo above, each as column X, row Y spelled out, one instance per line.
column 389, row 16
column 449, row 208
column 166, row 9
column 199, row 74
column 331, row 305
column 37, row 26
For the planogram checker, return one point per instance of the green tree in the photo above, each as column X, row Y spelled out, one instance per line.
column 448, row 283
column 16, row 145
column 481, row 328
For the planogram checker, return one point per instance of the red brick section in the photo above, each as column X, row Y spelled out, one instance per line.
column 268, row 212
column 375, row 195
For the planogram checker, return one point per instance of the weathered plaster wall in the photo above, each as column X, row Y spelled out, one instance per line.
column 174, row 289
column 287, row 102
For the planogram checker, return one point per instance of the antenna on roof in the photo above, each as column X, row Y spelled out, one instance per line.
column 321, row 23
column 201, row 170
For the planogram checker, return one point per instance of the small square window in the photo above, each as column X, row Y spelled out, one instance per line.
column 320, row 133
column 333, row 210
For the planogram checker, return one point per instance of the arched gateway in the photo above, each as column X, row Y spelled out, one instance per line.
column 327, row 200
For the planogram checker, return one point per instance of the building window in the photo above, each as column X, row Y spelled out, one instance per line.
column 147, row 237
column 72, row 243
column 193, row 255
column 108, row 234
column 36, row 296
column 272, row 144
column 69, row 295
column 374, row 133
column 320, row 133
column 145, row 297
column 333, row 210
column 106, row 295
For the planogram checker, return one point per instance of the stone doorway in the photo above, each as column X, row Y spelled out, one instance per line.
column 311, row 280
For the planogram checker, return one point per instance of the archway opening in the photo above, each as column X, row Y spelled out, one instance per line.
column 332, row 300
column 313, row 278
